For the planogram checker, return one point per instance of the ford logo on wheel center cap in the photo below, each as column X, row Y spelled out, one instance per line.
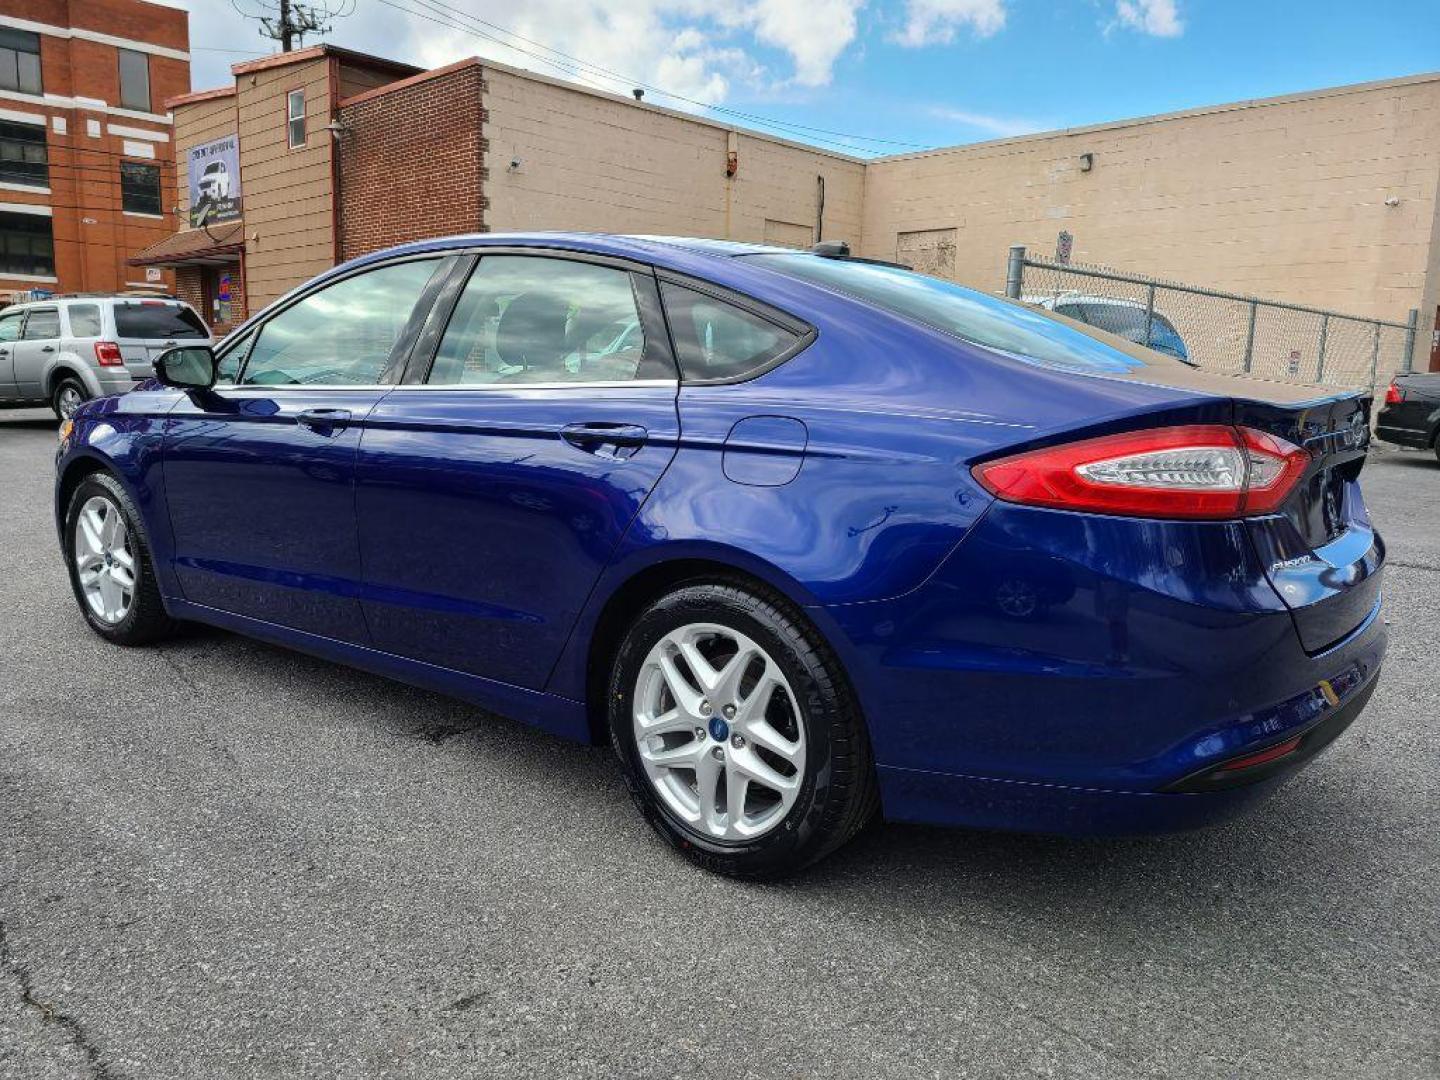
column 719, row 729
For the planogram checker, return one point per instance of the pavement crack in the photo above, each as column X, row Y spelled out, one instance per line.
column 1413, row 565
column 51, row 1014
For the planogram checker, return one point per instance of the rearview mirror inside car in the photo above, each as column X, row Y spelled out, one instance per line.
column 187, row 367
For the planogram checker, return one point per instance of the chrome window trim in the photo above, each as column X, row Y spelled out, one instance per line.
column 620, row 384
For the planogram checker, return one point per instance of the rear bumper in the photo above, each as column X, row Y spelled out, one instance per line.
column 1063, row 674
column 932, row 798
column 1414, row 438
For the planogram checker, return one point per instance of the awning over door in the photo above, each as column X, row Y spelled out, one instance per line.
column 221, row 245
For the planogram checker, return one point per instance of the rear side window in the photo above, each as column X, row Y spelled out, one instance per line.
column 528, row 319
column 84, row 320
column 715, row 340
column 43, row 323
column 157, row 321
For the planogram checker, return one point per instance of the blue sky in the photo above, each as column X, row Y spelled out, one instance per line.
column 914, row 72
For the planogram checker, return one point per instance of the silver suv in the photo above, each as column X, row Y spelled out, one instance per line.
column 67, row 350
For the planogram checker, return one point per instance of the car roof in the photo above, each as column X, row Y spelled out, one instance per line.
column 664, row 250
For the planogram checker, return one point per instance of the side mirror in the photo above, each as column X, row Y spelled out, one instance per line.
column 187, row 367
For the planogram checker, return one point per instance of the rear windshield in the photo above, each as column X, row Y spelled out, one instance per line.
column 153, row 320
column 1024, row 332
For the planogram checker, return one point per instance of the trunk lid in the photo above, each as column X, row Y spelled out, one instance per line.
column 1320, row 550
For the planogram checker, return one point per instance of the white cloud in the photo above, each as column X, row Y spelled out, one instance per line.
column 1159, row 18
column 701, row 49
column 999, row 126
column 935, row 22
column 813, row 32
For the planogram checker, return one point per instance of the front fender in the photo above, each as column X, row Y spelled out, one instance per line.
column 124, row 436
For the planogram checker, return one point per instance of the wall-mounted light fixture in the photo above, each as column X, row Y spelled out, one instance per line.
column 639, row 93
column 1392, row 200
column 1087, row 162
column 336, row 129
column 514, row 165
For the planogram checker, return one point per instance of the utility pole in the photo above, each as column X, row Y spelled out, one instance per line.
column 293, row 22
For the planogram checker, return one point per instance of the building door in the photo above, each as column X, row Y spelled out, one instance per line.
column 928, row 251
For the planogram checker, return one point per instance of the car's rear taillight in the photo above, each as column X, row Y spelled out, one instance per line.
column 1394, row 395
column 107, row 354
column 1195, row 471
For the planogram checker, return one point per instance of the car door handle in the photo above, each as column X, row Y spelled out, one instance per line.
column 47, row 348
column 605, row 439
column 324, row 421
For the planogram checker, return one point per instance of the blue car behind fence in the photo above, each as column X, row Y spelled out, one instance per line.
column 806, row 538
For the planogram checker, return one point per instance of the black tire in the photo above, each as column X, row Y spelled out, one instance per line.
column 838, row 794
column 66, row 386
column 145, row 621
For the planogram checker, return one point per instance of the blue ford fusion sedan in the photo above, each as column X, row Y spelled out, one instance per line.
column 805, row 538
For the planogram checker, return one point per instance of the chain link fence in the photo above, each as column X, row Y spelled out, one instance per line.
column 1220, row 331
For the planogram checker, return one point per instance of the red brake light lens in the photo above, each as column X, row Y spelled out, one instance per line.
column 1207, row 471
column 1394, row 395
column 107, row 354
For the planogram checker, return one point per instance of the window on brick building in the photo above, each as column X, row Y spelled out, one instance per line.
column 295, row 118
column 23, row 158
column 19, row 61
column 27, row 245
column 134, row 80
column 139, row 188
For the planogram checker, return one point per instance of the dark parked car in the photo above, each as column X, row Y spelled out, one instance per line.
column 1411, row 415
column 817, row 538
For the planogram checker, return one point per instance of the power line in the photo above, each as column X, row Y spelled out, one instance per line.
column 448, row 15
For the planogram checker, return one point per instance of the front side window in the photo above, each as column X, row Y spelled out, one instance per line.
column 344, row 334
column 84, row 320
column 23, row 157
column 715, row 340
column 42, row 325
column 134, row 80
column 139, row 188
column 19, row 61
column 295, row 118
column 27, row 245
column 528, row 319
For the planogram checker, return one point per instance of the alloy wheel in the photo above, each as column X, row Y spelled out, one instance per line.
column 719, row 732
column 104, row 560
column 69, row 400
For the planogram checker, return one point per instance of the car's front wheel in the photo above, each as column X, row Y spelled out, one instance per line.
column 111, row 569
column 69, row 395
column 738, row 733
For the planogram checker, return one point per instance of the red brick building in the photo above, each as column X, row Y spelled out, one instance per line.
column 86, row 146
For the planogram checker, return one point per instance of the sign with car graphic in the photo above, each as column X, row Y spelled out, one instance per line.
column 214, row 169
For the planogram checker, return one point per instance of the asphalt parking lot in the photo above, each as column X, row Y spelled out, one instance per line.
column 221, row 859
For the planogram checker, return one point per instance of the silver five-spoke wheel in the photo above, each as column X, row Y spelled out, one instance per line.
column 104, row 559
column 68, row 401
column 719, row 732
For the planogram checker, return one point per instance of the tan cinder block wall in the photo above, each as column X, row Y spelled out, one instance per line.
column 288, row 208
column 600, row 163
column 1283, row 198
